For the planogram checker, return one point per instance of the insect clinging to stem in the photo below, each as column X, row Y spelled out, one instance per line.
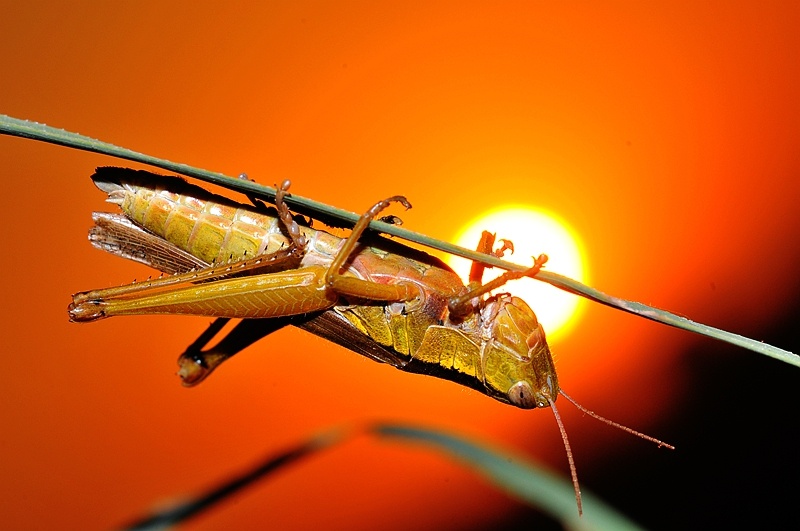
column 372, row 295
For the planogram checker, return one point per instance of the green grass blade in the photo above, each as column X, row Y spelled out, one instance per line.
column 667, row 318
column 338, row 217
column 521, row 478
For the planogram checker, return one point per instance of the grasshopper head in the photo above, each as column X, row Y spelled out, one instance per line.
column 517, row 364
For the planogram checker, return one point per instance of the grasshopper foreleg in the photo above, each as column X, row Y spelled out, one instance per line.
column 461, row 306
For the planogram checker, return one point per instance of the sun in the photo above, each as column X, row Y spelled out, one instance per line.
column 532, row 232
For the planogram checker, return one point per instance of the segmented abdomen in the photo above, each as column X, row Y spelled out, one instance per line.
column 214, row 231
column 210, row 231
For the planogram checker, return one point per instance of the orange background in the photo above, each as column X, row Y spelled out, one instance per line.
column 666, row 135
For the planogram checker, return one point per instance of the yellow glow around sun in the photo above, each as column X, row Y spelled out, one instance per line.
column 532, row 232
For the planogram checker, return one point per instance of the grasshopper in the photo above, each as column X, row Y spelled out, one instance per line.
column 381, row 299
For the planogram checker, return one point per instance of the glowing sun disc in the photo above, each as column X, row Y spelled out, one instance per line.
column 532, row 232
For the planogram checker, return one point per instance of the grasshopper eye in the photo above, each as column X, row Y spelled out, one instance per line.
column 521, row 395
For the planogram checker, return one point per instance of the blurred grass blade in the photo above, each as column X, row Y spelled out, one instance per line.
column 341, row 218
column 172, row 516
column 519, row 477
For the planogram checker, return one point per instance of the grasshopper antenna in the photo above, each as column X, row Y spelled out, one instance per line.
column 572, row 470
column 615, row 424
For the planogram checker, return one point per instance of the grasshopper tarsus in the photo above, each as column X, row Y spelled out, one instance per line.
column 196, row 367
column 506, row 245
column 86, row 311
column 400, row 199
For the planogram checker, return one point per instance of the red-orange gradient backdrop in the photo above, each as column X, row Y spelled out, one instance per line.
column 667, row 136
